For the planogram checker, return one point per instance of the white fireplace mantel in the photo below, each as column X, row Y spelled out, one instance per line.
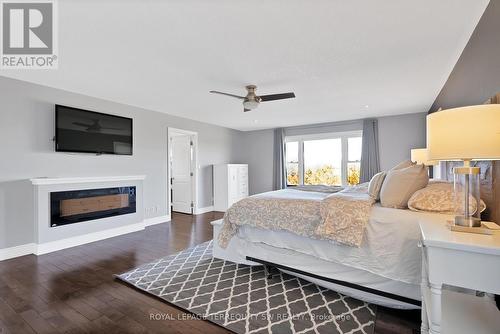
column 48, row 239
column 51, row 238
column 72, row 180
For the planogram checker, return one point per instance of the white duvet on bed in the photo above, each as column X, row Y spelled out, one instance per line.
column 389, row 249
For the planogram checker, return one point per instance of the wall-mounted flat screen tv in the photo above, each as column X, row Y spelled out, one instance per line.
column 84, row 131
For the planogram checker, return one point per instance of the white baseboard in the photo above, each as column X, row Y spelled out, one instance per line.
column 16, row 251
column 53, row 246
column 206, row 209
column 48, row 247
column 156, row 220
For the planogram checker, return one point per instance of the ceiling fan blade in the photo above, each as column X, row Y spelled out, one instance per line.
column 246, row 110
column 82, row 124
column 227, row 94
column 273, row 97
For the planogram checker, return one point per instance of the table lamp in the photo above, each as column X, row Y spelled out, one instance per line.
column 421, row 156
column 466, row 134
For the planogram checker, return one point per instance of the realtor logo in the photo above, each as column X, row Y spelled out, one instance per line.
column 28, row 34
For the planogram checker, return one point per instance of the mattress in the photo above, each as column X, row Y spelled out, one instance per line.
column 389, row 248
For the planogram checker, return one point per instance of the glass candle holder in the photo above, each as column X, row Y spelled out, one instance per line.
column 467, row 196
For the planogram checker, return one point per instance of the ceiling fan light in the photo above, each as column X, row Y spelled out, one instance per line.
column 250, row 104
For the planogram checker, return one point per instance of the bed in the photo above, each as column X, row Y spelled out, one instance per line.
column 385, row 269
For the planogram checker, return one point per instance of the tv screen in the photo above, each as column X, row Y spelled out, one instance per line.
column 86, row 131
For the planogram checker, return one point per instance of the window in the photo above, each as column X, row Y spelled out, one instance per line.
column 292, row 163
column 326, row 159
column 323, row 162
column 353, row 160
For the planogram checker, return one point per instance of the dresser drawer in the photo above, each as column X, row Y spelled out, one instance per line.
column 243, row 190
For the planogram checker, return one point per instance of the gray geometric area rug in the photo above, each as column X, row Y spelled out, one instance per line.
column 242, row 299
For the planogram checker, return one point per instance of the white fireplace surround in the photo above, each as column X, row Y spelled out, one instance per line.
column 49, row 239
column 75, row 180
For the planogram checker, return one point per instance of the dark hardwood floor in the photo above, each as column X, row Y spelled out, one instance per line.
column 74, row 291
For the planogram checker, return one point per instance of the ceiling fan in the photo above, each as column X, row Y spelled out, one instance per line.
column 252, row 101
column 95, row 126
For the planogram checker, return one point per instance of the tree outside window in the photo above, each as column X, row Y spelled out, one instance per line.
column 353, row 160
column 292, row 163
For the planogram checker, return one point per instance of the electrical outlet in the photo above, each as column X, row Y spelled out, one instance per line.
column 150, row 210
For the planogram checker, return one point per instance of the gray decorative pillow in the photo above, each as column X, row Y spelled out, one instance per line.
column 400, row 184
column 318, row 188
column 375, row 185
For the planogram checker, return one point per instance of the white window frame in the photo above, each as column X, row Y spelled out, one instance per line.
column 343, row 136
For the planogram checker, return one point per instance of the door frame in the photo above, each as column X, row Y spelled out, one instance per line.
column 194, row 167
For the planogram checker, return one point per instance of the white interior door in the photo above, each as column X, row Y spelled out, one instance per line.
column 182, row 173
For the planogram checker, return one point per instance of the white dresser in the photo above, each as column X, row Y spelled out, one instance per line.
column 230, row 185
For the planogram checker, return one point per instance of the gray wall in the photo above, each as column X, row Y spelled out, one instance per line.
column 257, row 151
column 476, row 76
column 27, row 128
column 344, row 126
column 27, row 151
column 397, row 136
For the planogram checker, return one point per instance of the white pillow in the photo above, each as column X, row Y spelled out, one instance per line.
column 375, row 185
column 438, row 197
column 400, row 184
column 403, row 164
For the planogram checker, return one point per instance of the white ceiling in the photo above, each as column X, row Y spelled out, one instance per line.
column 343, row 59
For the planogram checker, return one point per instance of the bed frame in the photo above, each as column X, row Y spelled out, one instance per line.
column 268, row 266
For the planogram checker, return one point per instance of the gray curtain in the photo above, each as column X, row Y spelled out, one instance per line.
column 370, row 160
column 279, row 175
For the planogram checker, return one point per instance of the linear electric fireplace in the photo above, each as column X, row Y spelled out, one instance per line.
column 75, row 206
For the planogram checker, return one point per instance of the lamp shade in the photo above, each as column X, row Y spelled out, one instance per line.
column 464, row 133
column 420, row 156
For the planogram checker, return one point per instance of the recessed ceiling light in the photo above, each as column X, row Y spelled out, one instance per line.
column 367, row 106
column 256, row 121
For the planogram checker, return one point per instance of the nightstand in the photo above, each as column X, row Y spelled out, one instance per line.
column 462, row 260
